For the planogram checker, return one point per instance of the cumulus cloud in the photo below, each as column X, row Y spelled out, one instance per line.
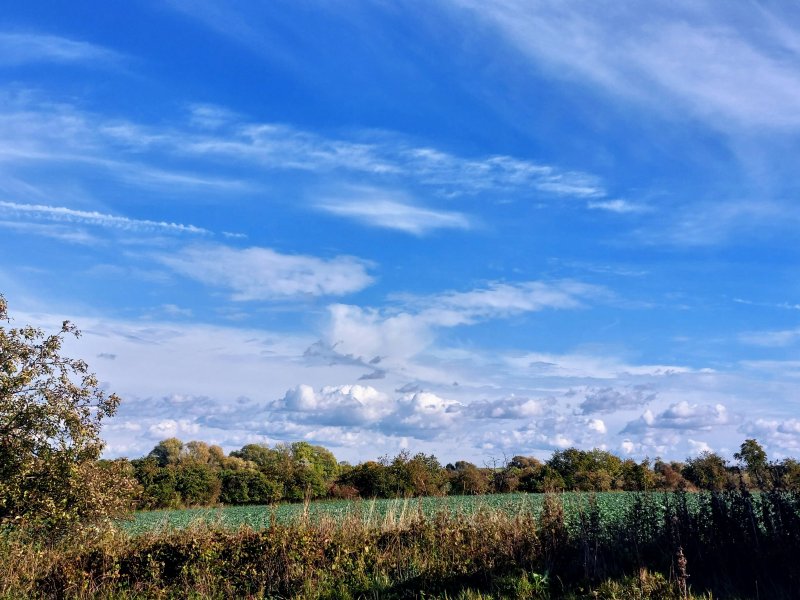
column 511, row 408
column 336, row 405
column 681, row 416
column 597, row 425
column 608, row 400
column 782, row 435
column 264, row 274
column 173, row 428
column 424, row 414
column 699, row 446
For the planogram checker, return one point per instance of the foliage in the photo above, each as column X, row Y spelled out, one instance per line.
column 587, row 470
column 708, row 471
column 754, row 457
column 51, row 409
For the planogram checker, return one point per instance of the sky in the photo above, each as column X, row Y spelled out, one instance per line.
column 470, row 228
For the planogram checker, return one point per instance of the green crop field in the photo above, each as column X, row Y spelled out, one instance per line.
column 611, row 506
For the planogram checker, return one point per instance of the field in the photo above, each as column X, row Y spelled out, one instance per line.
column 611, row 507
column 568, row 546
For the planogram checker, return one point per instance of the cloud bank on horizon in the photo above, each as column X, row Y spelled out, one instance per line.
column 478, row 229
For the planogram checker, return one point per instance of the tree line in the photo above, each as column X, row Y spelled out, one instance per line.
column 177, row 474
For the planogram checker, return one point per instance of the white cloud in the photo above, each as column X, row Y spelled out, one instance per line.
column 264, row 274
column 617, row 206
column 423, row 414
column 592, row 366
column 708, row 223
column 173, row 428
column 722, row 64
column 83, row 217
column 698, row 446
column 779, row 338
column 33, row 131
column 511, row 408
column 597, row 425
column 402, row 334
column 784, row 368
column 607, row 400
column 681, row 416
column 337, row 405
column 781, row 435
column 498, row 299
column 25, row 48
column 378, row 211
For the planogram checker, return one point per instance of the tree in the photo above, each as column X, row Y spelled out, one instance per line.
column 708, row 471
column 753, row 456
column 51, row 409
column 586, row 470
column 467, row 479
column 167, row 452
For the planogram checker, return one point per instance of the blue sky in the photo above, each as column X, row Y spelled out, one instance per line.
column 471, row 228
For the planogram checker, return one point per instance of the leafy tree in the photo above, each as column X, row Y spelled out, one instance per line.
column 753, row 456
column 668, row 476
column 637, row 476
column 708, row 471
column 197, row 452
column 371, row 479
column 787, row 474
column 427, row 476
column 158, row 484
column 586, row 470
column 167, row 452
column 51, row 409
column 197, row 484
column 467, row 479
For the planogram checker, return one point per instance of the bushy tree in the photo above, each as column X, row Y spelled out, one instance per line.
column 467, row 479
column 754, row 458
column 708, row 471
column 51, row 409
column 198, row 484
column 586, row 470
column 167, row 452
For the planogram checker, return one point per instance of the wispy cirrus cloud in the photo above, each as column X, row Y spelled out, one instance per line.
column 730, row 65
column 256, row 273
column 776, row 338
column 22, row 48
column 219, row 141
column 617, row 206
column 62, row 214
column 376, row 208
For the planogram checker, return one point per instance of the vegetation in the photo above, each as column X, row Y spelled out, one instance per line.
column 734, row 528
column 51, row 409
column 175, row 475
column 653, row 549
